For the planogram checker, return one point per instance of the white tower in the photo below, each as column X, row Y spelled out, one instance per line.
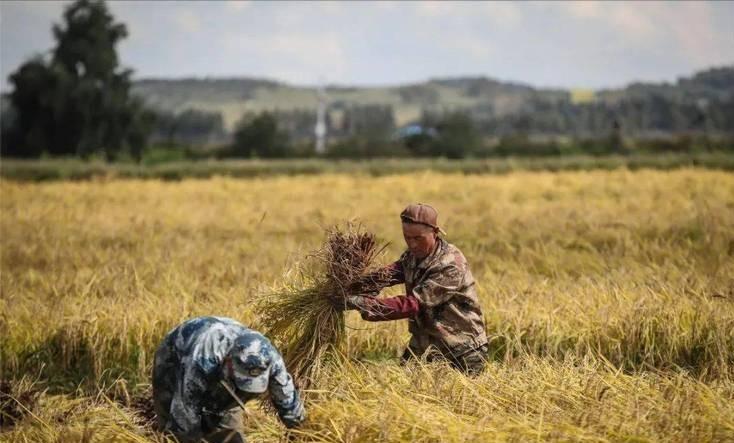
column 320, row 129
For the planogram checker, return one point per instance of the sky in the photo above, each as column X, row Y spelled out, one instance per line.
column 568, row 44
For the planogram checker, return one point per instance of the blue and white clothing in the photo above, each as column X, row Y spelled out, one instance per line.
column 194, row 382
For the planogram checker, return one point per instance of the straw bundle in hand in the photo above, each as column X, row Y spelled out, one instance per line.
column 304, row 318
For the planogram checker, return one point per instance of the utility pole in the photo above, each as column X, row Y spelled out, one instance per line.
column 320, row 129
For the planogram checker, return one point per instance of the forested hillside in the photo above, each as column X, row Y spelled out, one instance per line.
column 703, row 101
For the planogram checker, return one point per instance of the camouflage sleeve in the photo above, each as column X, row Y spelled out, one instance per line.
column 284, row 395
column 186, row 407
column 439, row 286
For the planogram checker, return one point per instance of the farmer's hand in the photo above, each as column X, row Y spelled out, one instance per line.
column 349, row 302
column 369, row 294
column 364, row 286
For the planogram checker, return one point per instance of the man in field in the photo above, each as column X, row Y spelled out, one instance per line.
column 206, row 369
column 440, row 301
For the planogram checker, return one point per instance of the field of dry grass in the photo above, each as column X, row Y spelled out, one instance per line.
column 608, row 297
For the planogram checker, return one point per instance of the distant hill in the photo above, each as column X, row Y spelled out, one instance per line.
column 711, row 84
column 235, row 96
column 232, row 97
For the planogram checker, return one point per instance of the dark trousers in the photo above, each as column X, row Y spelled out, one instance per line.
column 227, row 429
column 218, row 428
column 471, row 363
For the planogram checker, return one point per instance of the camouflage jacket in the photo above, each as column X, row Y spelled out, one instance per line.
column 188, row 378
column 449, row 318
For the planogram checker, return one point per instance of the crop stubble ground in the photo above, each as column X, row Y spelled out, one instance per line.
column 608, row 297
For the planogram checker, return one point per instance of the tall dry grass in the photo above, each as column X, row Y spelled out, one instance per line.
column 608, row 298
column 306, row 318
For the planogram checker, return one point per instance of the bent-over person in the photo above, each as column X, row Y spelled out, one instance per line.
column 206, row 369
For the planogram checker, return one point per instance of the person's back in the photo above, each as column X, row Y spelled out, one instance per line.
column 450, row 319
column 206, row 368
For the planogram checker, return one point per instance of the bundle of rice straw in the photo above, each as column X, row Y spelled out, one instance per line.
column 303, row 317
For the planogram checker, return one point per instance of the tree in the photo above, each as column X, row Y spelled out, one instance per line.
column 198, row 126
column 33, row 104
column 261, row 137
column 457, row 137
column 78, row 101
column 188, row 127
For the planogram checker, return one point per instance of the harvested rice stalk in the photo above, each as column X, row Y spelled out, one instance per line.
column 18, row 398
column 302, row 317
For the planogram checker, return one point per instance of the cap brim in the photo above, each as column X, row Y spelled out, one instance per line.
column 253, row 385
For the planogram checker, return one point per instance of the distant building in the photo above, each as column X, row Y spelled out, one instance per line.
column 414, row 129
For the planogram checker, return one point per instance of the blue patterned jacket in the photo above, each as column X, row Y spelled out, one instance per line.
column 191, row 389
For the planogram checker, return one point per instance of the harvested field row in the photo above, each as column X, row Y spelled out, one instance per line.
column 608, row 297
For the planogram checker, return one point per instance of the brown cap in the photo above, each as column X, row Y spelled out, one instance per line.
column 421, row 214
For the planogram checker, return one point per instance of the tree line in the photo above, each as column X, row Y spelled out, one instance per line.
column 76, row 100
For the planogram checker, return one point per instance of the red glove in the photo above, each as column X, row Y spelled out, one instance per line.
column 394, row 308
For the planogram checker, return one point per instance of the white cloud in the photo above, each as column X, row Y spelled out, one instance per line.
column 687, row 28
column 640, row 21
column 636, row 20
column 329, row 7
column 237, row 5
column 45, row 10
column 435, row 8
column 581, row 9
column 188, row 21
column 501, row 13
column 695, row 34
column 504, row 14
column 386, row 5
column 476, row 48
column 292, row 56
column 560, row 43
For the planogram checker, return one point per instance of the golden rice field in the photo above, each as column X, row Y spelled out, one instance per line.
column 608, row 297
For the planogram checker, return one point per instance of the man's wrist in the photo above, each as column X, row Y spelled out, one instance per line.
column 354, row 301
